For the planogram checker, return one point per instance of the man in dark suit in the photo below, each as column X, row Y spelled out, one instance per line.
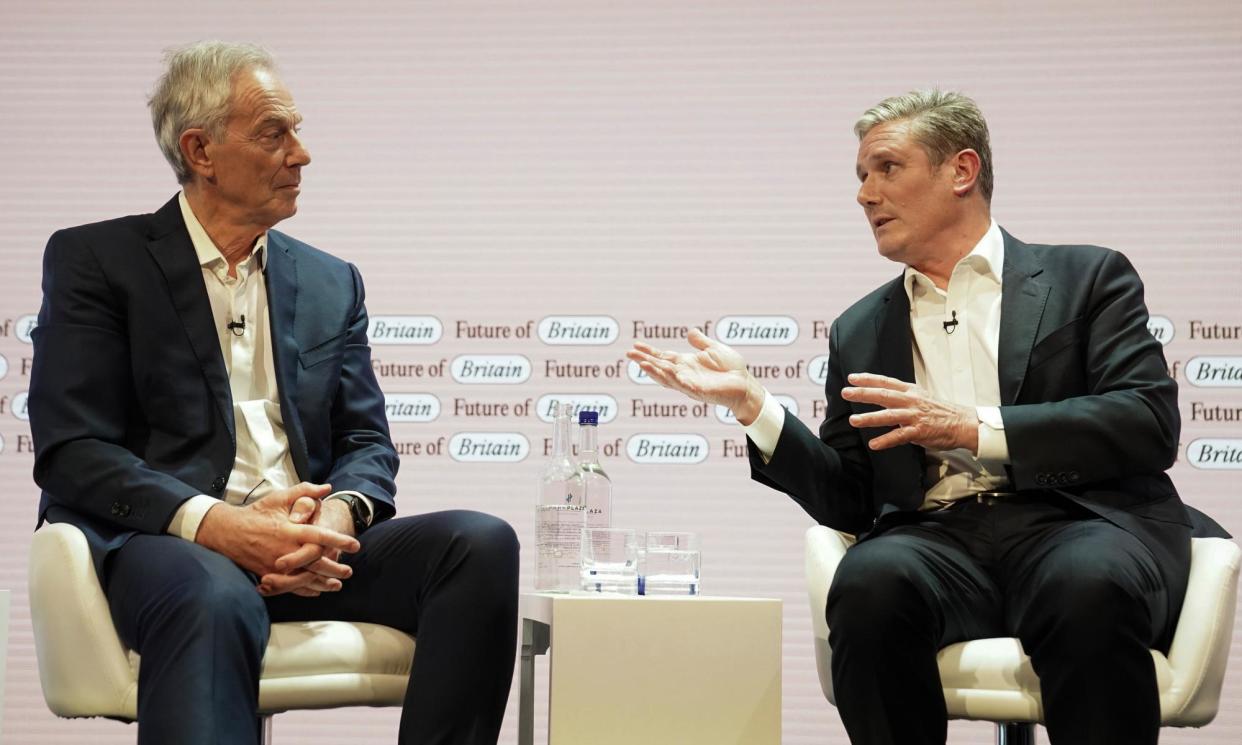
column 203, row 408
column 998, row 426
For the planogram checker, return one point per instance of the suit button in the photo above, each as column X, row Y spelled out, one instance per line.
column 1041, row 479
column 116, row 508
column 218, row 484
column 124, row 510
column 1073, row 476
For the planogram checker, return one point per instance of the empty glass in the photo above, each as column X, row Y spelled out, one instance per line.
column 670, row 564
column 610, row 560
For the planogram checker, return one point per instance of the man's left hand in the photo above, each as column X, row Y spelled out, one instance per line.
column 312, row 569
column 917, row 418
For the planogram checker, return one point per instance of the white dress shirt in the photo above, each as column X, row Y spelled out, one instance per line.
column 263, row 462
column 959, row 367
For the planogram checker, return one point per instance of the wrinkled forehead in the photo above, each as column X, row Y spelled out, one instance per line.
column 259, row 95
column 886, row 139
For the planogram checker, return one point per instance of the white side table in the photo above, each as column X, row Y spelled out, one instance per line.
column 653, row 670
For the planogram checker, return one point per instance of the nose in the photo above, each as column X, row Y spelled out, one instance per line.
column 866, row 193
column 298, row 154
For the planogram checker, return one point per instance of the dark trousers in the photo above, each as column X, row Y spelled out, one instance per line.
column 201, row 627
column 1084, row 597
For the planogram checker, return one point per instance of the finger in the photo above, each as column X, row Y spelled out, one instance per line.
column 325, row 537
column 887, row 417
column 651, row 352
column 699, row 340
column 306, row 592
column 309, row 553
column 889, row 399
column 279, row 584
column 326, row 567
column 303, row 509
column 874, row 380
column 899, row 436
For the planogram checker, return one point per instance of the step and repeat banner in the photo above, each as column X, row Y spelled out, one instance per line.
column 528, row 189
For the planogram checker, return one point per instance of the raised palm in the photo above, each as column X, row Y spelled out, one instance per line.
column 715, row 373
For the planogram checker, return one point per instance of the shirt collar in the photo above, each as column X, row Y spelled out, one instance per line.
column 987, row 258
column 208, row 252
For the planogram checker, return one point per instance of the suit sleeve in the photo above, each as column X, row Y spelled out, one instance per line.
column 828, row 476
column 82, row 398
column 1127, row 423
column 363, row 457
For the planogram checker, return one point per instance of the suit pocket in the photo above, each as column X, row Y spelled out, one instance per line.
column 1066, row 337
column 323, row 351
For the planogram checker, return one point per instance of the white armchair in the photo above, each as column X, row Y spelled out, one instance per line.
column 86, row 671
column 992, row 679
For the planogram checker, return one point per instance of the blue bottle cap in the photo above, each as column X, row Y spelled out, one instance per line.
column 588, row 417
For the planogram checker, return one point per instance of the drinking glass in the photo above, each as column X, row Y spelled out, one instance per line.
column 610, row 560
column 670, row 564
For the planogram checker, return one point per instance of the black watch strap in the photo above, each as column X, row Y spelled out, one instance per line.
column 357, row 510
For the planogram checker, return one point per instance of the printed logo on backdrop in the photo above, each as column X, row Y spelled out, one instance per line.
column 1212, row 372
column 757, row 330
column 411, row 407
column 495, row 369
column 638, row 375
column 585, row 330
column 19, row 407
column 4, row 366
column 1213, row 453
column 405, row 330
column 601, row 403
column 25, row 325
column 725, row 414
column 680, row 449
column 1161, row 328
column 489, row 447
column 817, row 370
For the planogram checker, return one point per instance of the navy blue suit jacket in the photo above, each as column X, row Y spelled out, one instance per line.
column 130, row 407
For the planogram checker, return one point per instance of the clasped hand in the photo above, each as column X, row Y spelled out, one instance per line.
column 291, row 539
column 916, row 417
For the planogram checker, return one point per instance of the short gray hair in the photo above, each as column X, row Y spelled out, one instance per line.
column 196, row 90
column 943, row 122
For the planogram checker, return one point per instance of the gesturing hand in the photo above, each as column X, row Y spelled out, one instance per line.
column 716, row 374
column 916, row 416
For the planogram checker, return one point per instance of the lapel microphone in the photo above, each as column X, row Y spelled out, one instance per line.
column 949, row 326
column 239, row 327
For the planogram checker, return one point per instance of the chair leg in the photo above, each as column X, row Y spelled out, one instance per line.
column 265, row 729
column 1015, row 733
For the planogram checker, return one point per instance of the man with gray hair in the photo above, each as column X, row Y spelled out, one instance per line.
column 226, row 451
column 999, row 422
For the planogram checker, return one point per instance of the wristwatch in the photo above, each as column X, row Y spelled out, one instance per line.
column 358, row 510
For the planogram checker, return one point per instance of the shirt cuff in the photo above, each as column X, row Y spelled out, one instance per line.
column 366, row 501
column 993, row 447
column 765, row 431
column 190, row 515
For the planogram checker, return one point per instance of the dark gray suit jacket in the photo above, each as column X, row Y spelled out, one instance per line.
column 1089, row 408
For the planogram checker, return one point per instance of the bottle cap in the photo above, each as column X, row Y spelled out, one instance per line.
column 588, row 417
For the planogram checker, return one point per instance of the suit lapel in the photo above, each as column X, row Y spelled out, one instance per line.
column 1022, row 307
column 173, row 252
column 281, row 276
column 895, row 358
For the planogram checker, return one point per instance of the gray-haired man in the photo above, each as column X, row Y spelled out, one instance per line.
column 226, row 452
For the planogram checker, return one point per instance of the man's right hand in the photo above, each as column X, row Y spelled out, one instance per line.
column 716, row 374
column 256, row 535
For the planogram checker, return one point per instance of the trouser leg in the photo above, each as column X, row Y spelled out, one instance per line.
column 1088, row 602
column 450, row 579
column 200, row 627
column 895, row 601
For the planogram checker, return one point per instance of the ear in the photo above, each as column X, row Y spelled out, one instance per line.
column 194, row 144
column 966, row 166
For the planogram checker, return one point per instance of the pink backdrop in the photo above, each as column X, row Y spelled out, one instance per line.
column 647, row 162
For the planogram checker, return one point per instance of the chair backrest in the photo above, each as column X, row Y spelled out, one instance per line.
column 83, row 667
